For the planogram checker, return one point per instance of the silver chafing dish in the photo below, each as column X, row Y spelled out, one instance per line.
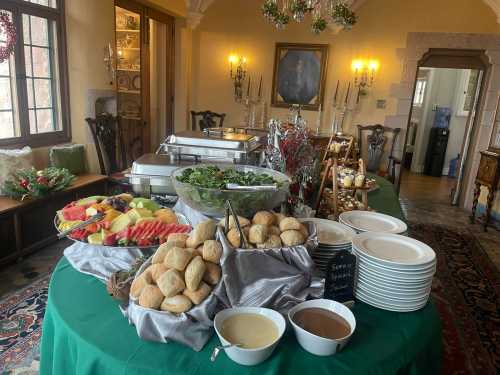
column 222, row 145
column 150, row 174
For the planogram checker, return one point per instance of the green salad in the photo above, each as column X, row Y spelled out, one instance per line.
column 212, row 177
column 204, row 189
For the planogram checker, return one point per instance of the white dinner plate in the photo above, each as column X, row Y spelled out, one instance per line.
column 331, row 233
column 389, row 301
column 381, row 277
column 394, row 285
column 396, row 267
column 414, row 275
column 396, row 298
column 369, row 221
column 396, row 295
column 394, row 249
column 389, row 307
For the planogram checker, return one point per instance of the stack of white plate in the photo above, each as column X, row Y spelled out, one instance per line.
column 332, row 237
column 394, row 272
column 369, row 221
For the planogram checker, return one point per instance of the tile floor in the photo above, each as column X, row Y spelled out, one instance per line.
column 423, row 199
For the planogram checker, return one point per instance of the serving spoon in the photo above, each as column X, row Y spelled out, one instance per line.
column 217, row 350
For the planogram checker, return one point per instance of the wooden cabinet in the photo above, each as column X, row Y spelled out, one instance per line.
column 144, row 76
column 488, row 175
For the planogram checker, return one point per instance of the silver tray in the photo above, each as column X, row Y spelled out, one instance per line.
column 180, row 218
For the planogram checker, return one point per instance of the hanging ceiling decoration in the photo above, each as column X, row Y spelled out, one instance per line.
column 323, row 12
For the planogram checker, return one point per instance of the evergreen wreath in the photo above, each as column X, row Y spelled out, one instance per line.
column 10, row 32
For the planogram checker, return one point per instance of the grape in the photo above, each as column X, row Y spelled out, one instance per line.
column 117, row 203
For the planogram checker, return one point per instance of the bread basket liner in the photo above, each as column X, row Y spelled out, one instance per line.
column 274, row 278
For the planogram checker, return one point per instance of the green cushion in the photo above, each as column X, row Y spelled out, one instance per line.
column 71, row 157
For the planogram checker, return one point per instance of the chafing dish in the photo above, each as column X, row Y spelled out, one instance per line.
column 150, row 174
column 214, row 145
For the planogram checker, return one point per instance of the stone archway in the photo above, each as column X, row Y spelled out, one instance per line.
column 419, row 44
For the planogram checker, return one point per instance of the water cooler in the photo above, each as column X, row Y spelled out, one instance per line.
column 438, row 142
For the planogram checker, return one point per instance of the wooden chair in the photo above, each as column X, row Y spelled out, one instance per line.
column 108, row 139
column 111, row 152
column 379, row 144
column 208, row 119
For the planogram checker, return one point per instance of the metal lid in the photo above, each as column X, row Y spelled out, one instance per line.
column 221, row 139
column 158, row 164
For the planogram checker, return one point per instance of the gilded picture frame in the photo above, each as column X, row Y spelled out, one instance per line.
column 299, row 75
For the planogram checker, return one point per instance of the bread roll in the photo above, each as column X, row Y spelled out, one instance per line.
column 202, row 232
column 273, row 229
column 212, row 273
column 264, row 218
column 198, row 295
column 289, row 223
column 161, row 252
column 303, row 229
column 171, row 283
column 138, row 285
column 233, row 236
column 157, row 270
column 176, row 304
column 272, row 242
column 258, row 233
column 279, row 217
column 177, row 239
column 199, row 250
column 147, row 276
column 151, row 297
column 194, row 273
column 212, row 251
column 232, row 224
column 292, row 238
column 178, row 258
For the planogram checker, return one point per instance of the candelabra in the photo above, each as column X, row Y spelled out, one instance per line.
column 238, row 73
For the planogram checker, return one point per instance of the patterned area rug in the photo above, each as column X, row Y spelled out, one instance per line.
column 21, row 316
column 466, row 290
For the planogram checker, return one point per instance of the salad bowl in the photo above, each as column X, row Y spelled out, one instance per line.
column 204, row 188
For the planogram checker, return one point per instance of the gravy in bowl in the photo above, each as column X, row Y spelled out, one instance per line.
column 322, row 322
column 251, row 331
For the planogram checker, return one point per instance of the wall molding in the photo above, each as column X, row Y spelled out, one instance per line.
column 195, row 11
column 495, row 6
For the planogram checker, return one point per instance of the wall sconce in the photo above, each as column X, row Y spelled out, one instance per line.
column 364, row 72
column 238, row 73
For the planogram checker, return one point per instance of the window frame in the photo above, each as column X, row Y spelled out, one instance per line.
column 17, row 8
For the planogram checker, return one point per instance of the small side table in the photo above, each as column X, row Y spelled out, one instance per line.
column 488, row 175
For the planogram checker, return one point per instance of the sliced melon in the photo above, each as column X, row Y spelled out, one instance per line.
column 120, row 223
column 90, row 200
column 95, row 239
column 137, row 213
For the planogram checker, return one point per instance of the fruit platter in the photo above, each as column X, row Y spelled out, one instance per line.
column 124, row 221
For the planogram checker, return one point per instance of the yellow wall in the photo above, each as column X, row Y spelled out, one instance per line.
column 238, row 26
column 89, row 28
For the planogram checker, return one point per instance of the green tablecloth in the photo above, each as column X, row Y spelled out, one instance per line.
column 84, row 332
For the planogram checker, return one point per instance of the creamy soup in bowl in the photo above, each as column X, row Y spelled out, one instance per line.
column 256, row 330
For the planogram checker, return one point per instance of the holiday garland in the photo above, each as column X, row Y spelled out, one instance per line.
column 10, row 32
column 30, row 183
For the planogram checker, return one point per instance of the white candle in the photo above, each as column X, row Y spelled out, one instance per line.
column 348, row 180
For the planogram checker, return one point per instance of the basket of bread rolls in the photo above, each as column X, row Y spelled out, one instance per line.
column 266, row 230
column 171, row 296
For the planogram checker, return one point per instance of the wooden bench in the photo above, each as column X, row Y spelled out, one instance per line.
column 29, row 225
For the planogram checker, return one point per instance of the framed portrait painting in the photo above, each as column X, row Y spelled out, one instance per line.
column 299, row 75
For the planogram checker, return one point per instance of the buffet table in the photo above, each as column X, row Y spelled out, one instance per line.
column 84, row 332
